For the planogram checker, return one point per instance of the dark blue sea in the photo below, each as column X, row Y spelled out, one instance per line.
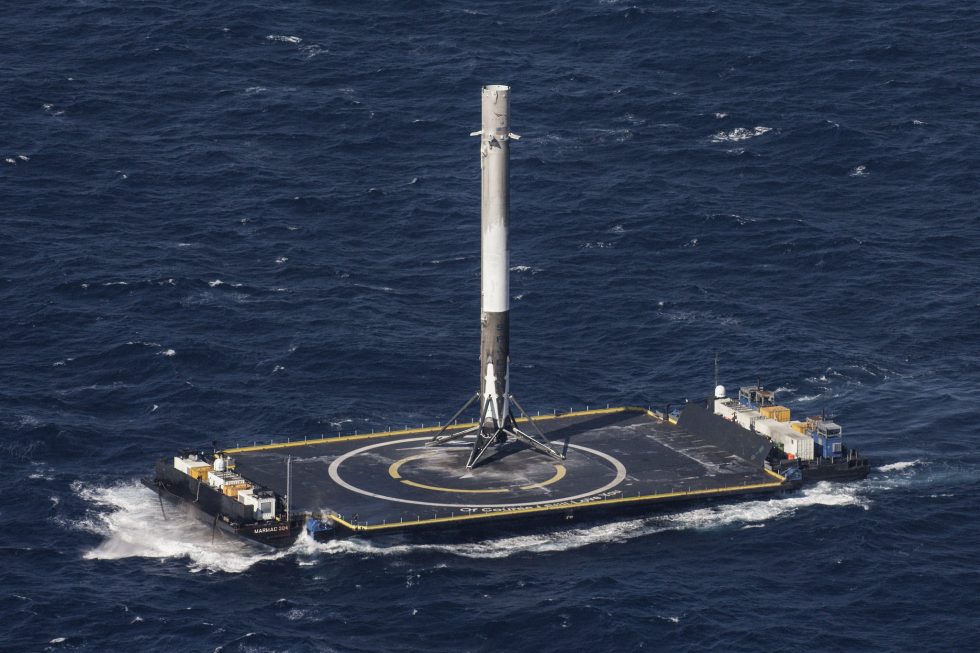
column 230, row 221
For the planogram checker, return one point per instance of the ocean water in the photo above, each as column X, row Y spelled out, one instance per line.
column 237, row 221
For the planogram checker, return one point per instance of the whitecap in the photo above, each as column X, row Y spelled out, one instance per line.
column 720, row 114
column 437, row 261
column 283, row 39
column 370, row 287
column 128, row 515
column 899, row 466
column 57, row 640
column 215, row 283
column 858, row 171
column 739, row 134
column 168, row 353
column 281, row 260
column 23, row 157
column 311, row 50
column 10, row 161
column 251, row 90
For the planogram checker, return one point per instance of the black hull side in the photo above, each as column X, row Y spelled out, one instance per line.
column 853, row 469
column 577, row 515
column 215, row 509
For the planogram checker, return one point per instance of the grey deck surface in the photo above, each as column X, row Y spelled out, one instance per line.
column 609, row 456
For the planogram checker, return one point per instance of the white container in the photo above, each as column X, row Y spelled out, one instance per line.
column 218, row 480
column 725, row 408
column 793, row 442
column 186, row 464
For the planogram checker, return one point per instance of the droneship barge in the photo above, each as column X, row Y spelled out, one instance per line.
column 616, row 461
column 503, row 467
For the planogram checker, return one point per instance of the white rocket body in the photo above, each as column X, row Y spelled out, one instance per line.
column 494, row 254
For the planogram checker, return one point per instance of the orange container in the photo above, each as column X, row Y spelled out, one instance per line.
column 778, row 413
column 233, row 490
column 200, row 473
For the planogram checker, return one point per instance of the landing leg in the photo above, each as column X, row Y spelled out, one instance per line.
column 439, row 438
column 489, row 432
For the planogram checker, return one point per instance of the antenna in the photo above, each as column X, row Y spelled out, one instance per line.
column 289, row 483
column 717, row 382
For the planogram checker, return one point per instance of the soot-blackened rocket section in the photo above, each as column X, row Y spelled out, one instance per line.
column 496, row 423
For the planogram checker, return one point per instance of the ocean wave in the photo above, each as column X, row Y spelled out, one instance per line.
column 281, row 38
column 899, row 466
column 128, row 517
column 739, row 134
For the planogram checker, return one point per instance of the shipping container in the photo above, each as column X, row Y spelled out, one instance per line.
column 801, row 446
column 233, row 490
column 200, row 472
column 799, row 427
column 220, row 479
column 778, row 413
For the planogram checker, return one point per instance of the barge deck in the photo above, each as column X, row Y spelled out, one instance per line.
column 616, row 460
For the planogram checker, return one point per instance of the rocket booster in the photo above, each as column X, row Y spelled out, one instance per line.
column 496, row 424
column 494, row 255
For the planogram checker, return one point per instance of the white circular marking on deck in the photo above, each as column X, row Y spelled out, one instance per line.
column 335, row 476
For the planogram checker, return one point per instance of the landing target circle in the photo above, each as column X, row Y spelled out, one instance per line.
column 393, row 470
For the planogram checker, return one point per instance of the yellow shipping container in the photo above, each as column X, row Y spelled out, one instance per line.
column 200, row 473
column 778, row 413
column 799, row 427
column 233, row 490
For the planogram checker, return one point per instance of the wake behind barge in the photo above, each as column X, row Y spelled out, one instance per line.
column 617, row 461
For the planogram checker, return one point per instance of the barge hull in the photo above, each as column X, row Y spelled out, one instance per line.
column 618, row 461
